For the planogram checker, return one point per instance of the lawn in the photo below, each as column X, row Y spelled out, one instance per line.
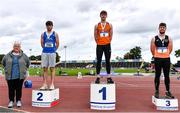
column 84, row 71
column 74, row 71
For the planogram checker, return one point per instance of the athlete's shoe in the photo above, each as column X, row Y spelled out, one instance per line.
column 51, row 87
column 18, row 103
column 10, row 105
column 110, row 81
column 97, row 80
column 156, row 94
column 169, row 94
column 44, row 87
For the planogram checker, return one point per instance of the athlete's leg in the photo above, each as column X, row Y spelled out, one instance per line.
column 99, row 53
column 52, row 63
column 158, row 67
column 107, row 51
column 166, row 70
column 44, row 62
column 52, row 77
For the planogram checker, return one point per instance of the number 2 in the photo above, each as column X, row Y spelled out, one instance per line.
column 103, row 91
column 40, row 96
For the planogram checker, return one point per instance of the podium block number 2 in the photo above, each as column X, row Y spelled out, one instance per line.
column 40, row 95
column 168, row 103
column 103, row 91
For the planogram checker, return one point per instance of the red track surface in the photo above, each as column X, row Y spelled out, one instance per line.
column 133, row 94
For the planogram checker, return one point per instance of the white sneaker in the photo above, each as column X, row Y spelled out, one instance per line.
column 44, row 87
column 18, row 103
column 10, row 105
column 51, row 87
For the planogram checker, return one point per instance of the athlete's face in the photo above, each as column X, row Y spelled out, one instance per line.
column 49, row 27
column 162, row 29
column 103, row 17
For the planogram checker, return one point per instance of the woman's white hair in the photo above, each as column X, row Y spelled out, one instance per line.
column 17, row 43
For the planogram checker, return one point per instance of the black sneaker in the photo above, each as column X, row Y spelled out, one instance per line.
column 169, row 95
column 110, row 81
column 156, row 94
column 97, row 80
column 178, row 78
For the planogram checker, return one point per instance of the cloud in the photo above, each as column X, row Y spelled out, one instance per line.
column 85, row 6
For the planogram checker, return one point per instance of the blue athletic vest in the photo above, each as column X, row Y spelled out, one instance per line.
column 49, row 43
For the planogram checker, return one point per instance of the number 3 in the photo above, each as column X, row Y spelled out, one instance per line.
column 168, row 103
column 40, row 96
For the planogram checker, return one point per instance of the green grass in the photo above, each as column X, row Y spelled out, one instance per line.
column 68, row 71
column 126, row 70
column 35, row 71
column 74, row 71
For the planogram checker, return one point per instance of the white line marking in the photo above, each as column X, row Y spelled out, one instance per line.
column 14, row 109
column 127, row 84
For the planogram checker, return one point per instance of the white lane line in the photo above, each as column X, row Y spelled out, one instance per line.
column 14, row 109
column 128, row 84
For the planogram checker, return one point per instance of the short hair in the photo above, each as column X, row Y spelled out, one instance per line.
column 17, row 43
column 49, row 23
column 162, row 24
column 103, row 12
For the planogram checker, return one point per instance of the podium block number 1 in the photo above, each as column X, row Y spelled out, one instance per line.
column 40, row 96
column 103, row 91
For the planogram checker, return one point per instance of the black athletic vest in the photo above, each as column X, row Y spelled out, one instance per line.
column 163, row 43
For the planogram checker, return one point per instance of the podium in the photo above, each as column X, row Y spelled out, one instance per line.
column 165, row 104
column 45, row 98
column 102, row 96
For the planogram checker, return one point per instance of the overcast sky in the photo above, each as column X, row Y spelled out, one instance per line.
column 135, row 22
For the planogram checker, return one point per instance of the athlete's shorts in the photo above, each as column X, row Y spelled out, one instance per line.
column 48, row 60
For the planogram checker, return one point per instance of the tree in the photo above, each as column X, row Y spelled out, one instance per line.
column 57, row 57
column 128, row 56
column 177, row 53
column 38, row 57
column 1, row 57
column 35, row 57
column 118, row 58
column 32, row 57
column 134, row 53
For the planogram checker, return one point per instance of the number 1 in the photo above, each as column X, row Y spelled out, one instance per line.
column 103, row 91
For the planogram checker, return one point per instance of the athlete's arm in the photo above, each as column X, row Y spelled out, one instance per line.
column 95, row 33
column 152, row 46
column 170, row 45
column 111, row 32
column 42, row 41
column 57, row 40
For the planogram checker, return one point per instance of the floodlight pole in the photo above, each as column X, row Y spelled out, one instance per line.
column 65, row 56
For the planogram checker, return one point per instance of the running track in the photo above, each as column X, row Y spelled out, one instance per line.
column 133, row 94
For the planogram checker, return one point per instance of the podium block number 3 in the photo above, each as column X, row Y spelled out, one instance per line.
column 103, row 91
column 168, row 103
column 40, row 95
